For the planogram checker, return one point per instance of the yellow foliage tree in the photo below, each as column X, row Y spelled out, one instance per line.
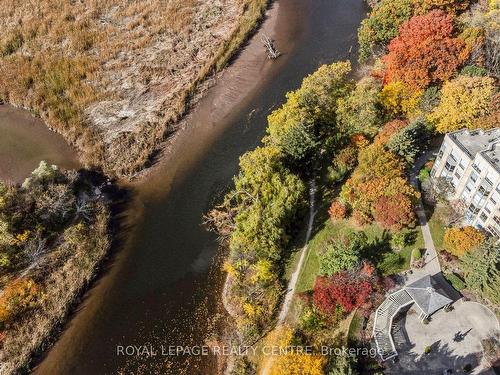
column 398, row 99
column 463, row 100
column 287, row 359
column 460, row 241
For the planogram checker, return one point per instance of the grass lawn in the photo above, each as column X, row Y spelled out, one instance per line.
column 455, row 281
column 380, row 254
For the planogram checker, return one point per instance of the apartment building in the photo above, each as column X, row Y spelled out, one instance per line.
column 470, row 161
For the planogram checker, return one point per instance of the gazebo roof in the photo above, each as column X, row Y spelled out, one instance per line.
column 428, row 294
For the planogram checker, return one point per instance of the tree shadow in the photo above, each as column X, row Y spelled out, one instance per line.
column 439, row 358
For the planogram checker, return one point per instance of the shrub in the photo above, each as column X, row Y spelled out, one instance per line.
column 460, row 241
column 473, row 71
column 337, row 211
column 342, row 254
column 416, row 254
column 425, row 51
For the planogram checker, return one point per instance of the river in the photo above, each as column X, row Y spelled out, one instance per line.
column 163, row 286
column 25, row 141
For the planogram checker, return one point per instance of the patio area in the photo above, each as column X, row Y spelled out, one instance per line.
column 454, row 339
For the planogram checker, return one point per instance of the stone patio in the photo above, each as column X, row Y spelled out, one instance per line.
column 454, row 338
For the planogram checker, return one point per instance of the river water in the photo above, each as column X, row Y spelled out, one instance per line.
column 163, row 286
column 25, row 141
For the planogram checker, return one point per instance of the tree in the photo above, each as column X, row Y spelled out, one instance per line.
column 343, row 365
column 449, row 6
column 360, row 111
column 322, row 296
column 399, row 99
column 463, row 100
column 481, row 270
column 425, row 51
column 344, row 161
column 382, row 25
column 342, row 253
column 395, row 212
column 337, row 210
column 349, row 291
column 388, row 130
column 409, row 142
column 308, row 117
column 290, row 361
column 402, row 238
column 18, row 295
column 459, row 241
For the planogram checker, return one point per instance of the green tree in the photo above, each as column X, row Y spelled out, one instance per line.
column 481, row 270
column 342, row 254
column 382, row 25
column 361, row 111
column 308, row 117
column 409, row 142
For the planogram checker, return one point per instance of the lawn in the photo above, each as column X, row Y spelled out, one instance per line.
column 379, row 253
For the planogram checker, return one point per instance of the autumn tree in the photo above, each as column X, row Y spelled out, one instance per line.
column 394, row 212
column 290, row 361
column 308, row 117
column 481, row 272
column 388, row 130
column 17, row 296
column 449, row 6
column 461, row 240
column 463, row 100
column 379, row 174
column 398, row 99
column 425, row 51
column 360, row 111
column 344, row 162
column 342, row 253
column 410, row 141
column 337, row 210
column 349, row 291
column 382, row 25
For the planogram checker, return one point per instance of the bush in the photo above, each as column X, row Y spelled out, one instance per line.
column 416, row 254
column 403, row 238
column 473, row 71
column 342, row 254
column 18, row 295
column 455, row 281
column 337, row 210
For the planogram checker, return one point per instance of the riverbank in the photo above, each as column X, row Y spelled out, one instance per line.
column 129, row 73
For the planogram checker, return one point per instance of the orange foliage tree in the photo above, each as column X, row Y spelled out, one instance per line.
column 394, row 212
column 337, row 210
column 388, row 130
column 379, row 174
column 18, row 295
column 425, row 51
column 460, row 241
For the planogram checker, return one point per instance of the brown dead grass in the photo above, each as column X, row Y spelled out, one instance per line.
column 111, row 75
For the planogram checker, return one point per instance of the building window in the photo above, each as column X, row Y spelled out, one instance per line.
column 476, row 168
column 461, row 166
column 449, row 167
column 486, row 208
column 473, row 210
column 483, row 217
column 457, row 175
column 440, row 154
column 497, row 220
column 493, row 201
column 474, row 176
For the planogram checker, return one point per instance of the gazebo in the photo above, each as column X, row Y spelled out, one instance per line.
column 429, row 294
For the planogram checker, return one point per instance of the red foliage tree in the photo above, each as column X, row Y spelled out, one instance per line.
column 322, row 296
column 394, row 212
column 425, row 51
column 348, row 291
column 337, row 210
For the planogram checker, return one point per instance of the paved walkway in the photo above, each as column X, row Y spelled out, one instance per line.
column 431, row 266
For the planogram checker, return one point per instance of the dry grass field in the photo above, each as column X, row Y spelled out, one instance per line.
column 113, row 76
